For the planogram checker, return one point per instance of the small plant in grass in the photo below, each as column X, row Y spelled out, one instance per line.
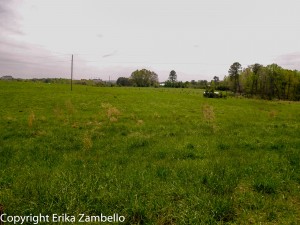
column 266, row 185
column 222, row 210
column 137, row 216
column 272, row 216
column 223, row 146
column 190, row 155
column 162, row 172
column 190, row 146
column 220, row 180
column 138, row 143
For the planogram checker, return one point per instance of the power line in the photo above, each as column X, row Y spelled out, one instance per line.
column 166, row 63
column 29, row 63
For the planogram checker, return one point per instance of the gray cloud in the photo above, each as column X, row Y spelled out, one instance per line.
column 17, row 56
column 23, row 60
column 290, row 60
column 27, row 65
column 8, row 19
column 7, row 43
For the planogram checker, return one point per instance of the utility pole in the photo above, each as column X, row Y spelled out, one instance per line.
column 72, row 73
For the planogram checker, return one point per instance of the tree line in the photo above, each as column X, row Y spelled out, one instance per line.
column 147, row 78
column 266, row 82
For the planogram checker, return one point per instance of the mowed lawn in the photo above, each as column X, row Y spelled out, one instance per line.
column 152, row 155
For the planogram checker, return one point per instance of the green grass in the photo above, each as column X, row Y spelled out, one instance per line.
column 155, row 156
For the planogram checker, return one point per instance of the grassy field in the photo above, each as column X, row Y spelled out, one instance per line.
column 154, row 156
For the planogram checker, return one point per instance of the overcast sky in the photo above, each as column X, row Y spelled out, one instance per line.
column 198, row 39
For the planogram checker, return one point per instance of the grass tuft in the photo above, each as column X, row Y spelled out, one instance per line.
column 266, row 185
column 87, row 142
column 208, row 113
column 223, row 210
column 31, row 119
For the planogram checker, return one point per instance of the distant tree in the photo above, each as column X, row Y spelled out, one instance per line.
column 124, row 81
column 144, row 78
column 216, row 79
column 202, row 84
column 234, row 74
column 179, row 84
column 154, row 79
column 168, row 83
column 173, row 76
column 256, row 69
column 276, row 81
column 245, row 79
